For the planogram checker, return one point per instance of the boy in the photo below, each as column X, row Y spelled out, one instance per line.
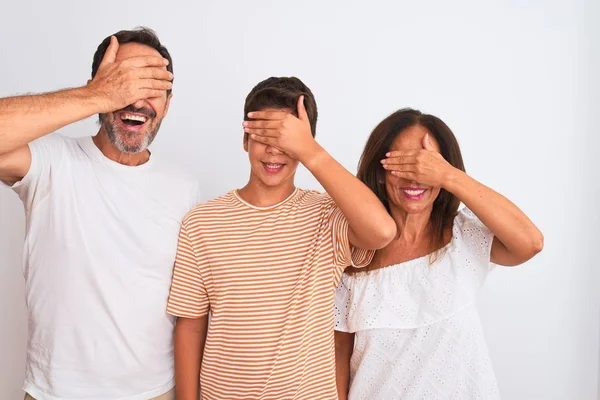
column 265, row 259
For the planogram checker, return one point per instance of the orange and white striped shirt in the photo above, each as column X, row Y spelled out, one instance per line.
column 268, row 277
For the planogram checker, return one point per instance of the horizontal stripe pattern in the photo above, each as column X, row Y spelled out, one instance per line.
column 267, row 276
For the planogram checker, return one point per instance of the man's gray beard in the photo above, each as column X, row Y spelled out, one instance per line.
column 116, row 138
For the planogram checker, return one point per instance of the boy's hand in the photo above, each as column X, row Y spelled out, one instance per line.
column 281, row 129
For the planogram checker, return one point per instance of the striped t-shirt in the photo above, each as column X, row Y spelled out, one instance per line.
column 267, row 275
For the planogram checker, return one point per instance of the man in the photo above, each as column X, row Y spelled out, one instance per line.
column 264, row 261
column 103, row 216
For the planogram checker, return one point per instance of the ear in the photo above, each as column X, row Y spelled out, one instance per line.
column 167, row 104
column 246, row 139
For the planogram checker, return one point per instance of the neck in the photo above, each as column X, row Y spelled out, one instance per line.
column 260, row 195
column 412, row 228
column 109, row 150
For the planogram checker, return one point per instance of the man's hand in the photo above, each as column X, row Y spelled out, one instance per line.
column 281, row 129
column 119, row 84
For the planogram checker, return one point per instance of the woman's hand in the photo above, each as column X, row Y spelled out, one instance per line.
column 425, row 166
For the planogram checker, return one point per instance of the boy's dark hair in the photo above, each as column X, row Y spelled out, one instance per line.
column 282, row 93
column 142, row 35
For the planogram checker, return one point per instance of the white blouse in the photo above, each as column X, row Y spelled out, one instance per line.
column 418, row 334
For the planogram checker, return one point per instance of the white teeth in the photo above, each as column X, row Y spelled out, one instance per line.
column 133, row 117
column 414, row 192
column 273, row 165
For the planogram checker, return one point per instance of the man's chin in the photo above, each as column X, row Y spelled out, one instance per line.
column 128, row 144
column 130, row 149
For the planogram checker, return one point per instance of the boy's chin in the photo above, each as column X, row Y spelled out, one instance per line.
column 275, row 181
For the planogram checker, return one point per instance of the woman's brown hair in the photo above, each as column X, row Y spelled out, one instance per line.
column 372, row 174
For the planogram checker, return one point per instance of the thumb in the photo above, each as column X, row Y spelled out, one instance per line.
column 302, row 115
column 111, row 52
column 427, row 145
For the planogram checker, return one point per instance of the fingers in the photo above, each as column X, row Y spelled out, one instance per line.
column 268, row 115
column 262, row 124
column 155, row 84
column 401, row 167
column 267, row 141
column 111, row 52
column 150, row 93
column 302, row 115
column 268, row 133
column 262, row 139
column 406, row 175
column 395, row 154
column 399, row 160
column 146, row 61
column 263, row 128
column 154, row 73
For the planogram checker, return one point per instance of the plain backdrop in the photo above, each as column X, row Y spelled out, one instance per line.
column 517, row 81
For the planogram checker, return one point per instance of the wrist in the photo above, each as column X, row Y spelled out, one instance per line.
column 313, row 157
column 453, row 180
column 94, row 100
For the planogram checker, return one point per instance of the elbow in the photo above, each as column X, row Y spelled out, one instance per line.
column 537, row 243
column 386, row 232
column 390, row 232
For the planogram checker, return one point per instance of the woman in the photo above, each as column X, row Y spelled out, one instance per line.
column 407, row 326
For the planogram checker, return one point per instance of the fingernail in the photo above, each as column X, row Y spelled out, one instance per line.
column 382, row 161
column 253, row 136
column 245, row 123
column 170, row 75
column 250, row 115
column 165, row 61
column 387, row 154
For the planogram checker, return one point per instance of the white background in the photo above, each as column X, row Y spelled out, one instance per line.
column 517, row 81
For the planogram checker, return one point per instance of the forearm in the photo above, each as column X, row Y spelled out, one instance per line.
column 26, row 118
column 189, row 346
column 503, row 218
column 368, row 219
column 344, row 344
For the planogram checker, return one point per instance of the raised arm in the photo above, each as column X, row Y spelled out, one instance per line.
column 371, row 227
column 24, row 119
column 516, row 238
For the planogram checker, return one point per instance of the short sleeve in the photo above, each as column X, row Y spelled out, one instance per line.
column 47, row 154
column 188, row 297
column 341, row 309
column 344, row 254
column 475, row 237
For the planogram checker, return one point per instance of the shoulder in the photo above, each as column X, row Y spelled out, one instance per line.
column 313, row 197
column 470, row 234
column 467, row 225
column 211, row 209
column 54, row 141
column 466, row 218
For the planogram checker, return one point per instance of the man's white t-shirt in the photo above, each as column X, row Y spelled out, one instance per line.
column 99, row 250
